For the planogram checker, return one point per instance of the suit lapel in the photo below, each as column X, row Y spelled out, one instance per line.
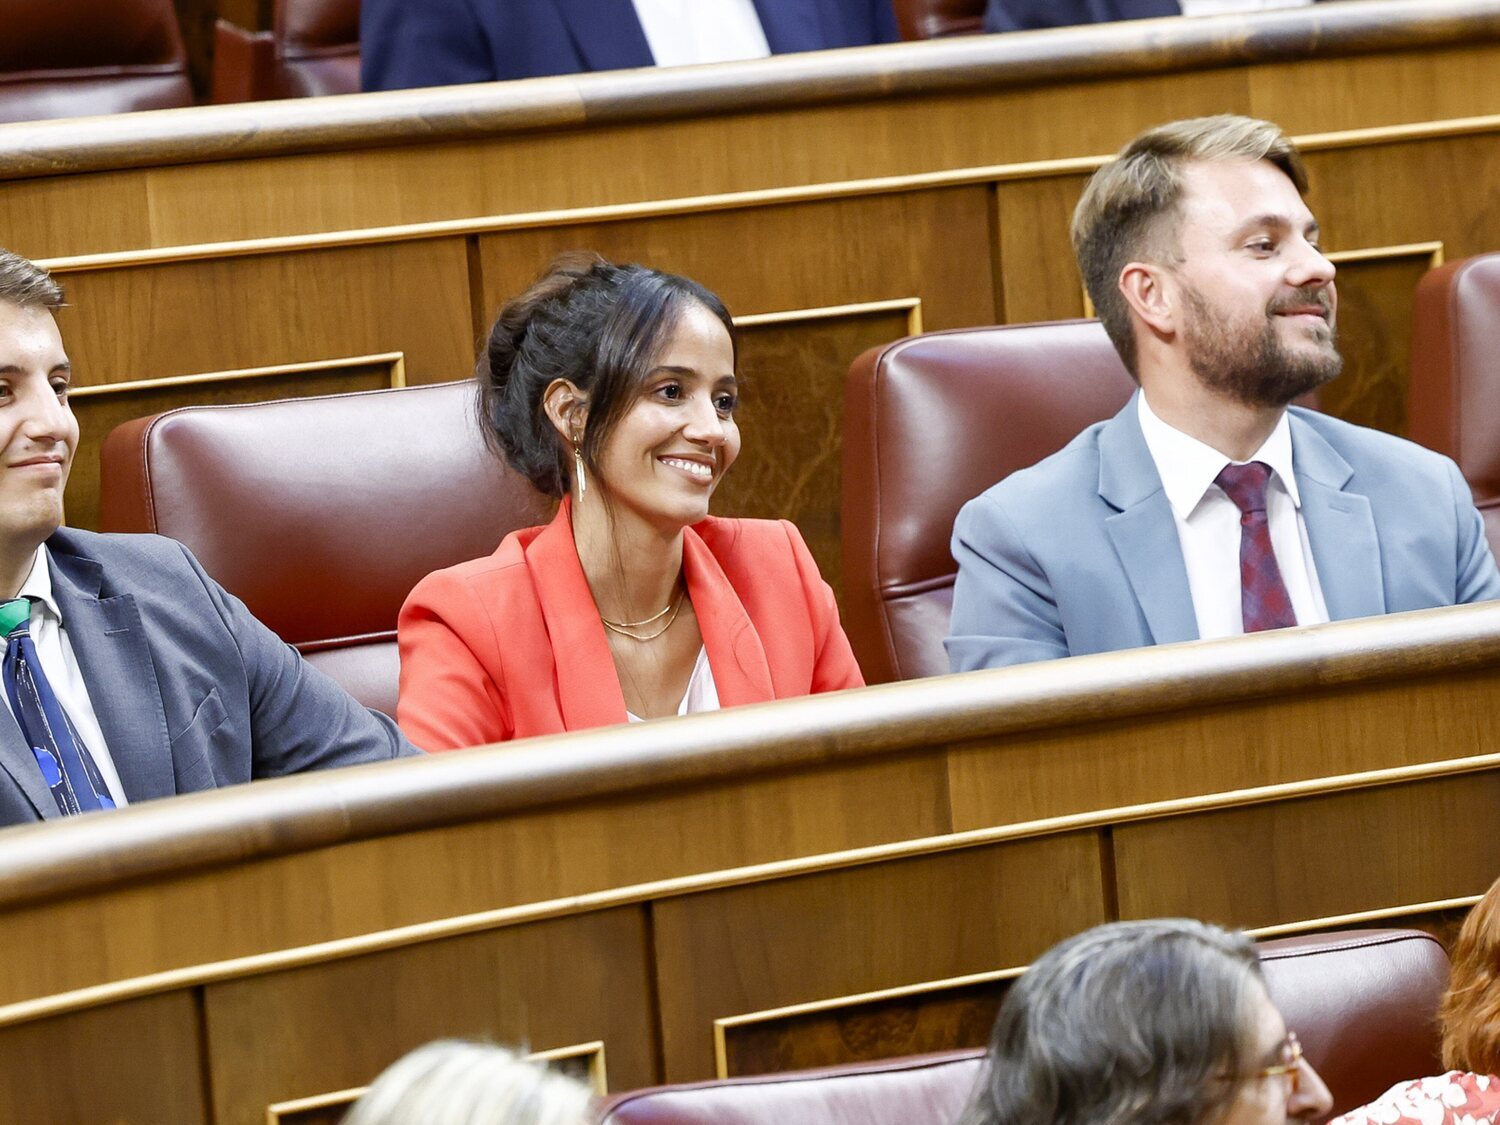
column 109, row 642
column 736, row 656
column 606, row 33
column 17, row 760
column 588, row 688
column 1340, row 527
column 1143, row 531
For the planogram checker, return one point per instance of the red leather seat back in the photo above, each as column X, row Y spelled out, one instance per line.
column 930, row 422
column 317, row 47
column 322, row 513
column 1363, row 1003
column 924, row 1090
column 87, row 57
column 1453, row 388
column 931, row 19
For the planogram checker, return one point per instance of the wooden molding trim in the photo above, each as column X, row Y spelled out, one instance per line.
column 1360, row 918
column 911, row 306
column 704, row 204
column 395, row 361
column 963, row 64
column 206, row 831
column 403, row 936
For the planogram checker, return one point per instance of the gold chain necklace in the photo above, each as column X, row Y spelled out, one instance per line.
column 624, row 627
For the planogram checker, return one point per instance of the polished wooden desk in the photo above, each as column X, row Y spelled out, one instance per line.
column 808, row 881
column 837, row 200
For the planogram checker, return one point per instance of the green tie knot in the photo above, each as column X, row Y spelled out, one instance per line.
column 14, row 613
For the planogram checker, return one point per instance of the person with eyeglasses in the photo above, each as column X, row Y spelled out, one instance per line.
column 1145, row 1023
column 1469, row 1093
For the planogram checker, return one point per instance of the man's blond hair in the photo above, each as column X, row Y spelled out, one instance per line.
column 1125, row 210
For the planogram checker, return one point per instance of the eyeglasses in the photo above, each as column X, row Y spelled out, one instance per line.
column 1291, row 1061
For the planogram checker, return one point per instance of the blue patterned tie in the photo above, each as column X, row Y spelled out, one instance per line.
column 65, row 762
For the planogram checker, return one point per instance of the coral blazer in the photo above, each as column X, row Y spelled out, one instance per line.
column 511, row 645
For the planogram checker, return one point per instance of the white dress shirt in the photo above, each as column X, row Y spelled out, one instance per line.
column 1225, row 7
column 702, row 693
column 701, row 31
column 1208, row 524
column 60, row 667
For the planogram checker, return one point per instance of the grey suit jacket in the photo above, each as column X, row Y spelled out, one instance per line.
column 191, row 691
column 1079, row 553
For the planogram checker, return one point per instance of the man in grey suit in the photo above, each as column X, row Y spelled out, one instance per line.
column 1208, row 507
column 132, row 673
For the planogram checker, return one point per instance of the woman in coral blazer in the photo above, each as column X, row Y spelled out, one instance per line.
column 614, row 388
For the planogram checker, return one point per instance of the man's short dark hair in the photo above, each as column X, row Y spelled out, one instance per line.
column 1120, row 217
column 26, row 285
column 1142, row 1022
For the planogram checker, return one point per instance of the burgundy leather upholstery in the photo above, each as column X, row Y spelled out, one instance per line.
column 87, row 57
column 931, row 19
column 1453, row 390
column 929, row 423
column 312, row 49
column 1363, row 1004
column 922, row 1090
column 322, row 513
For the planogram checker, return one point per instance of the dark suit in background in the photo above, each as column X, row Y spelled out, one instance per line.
column 1025, row 15
column 190, row 690
column 410, row 43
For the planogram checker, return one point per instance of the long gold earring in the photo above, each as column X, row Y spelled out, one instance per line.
column 578, row 475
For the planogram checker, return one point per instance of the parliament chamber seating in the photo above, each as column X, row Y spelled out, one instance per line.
column 931, row 422
column 311, row 49
column 322, row 513
column 88, row 57
column 1453, row 388
column 934, row 19
column 1363, row 1003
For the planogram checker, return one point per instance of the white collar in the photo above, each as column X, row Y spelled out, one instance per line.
column 38, row 584
column 1188, row 467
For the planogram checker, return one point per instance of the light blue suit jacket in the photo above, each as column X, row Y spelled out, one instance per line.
column 1079, row 553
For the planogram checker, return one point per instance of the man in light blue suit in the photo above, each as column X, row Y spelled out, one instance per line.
column 1203, row 262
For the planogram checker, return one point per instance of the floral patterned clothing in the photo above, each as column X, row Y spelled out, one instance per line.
column 1455, row 1098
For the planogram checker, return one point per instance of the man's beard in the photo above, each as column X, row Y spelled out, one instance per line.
column 1254, row 366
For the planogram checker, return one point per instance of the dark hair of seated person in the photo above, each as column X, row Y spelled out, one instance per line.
column 1156, row 1022
column 594, row 323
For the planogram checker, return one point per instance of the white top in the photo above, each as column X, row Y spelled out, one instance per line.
column 1208, row 524
column 60, row 667
column 701, row 31
column 701, row 694
column 1224, row 7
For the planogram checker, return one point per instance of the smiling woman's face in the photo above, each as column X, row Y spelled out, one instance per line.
column 665, row 457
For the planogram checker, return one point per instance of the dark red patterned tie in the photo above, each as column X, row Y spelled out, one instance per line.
column 1264, row 602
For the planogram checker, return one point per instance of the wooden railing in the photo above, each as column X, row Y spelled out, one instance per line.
column 715, row 893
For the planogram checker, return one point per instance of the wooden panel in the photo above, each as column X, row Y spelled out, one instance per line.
column 103, row 407
column 1396, row 193
column 1375, row 300
column 791, row 419
column 549, row 984
column 1036, row 263
column 137, row 1063
column 1276, row 863
column 911, row 1023
column 1237, row 746
column 731, row 952
column 47, row 217
column 152, row 321
column 1399, row 86
column 795, row 256
column 403, row 879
